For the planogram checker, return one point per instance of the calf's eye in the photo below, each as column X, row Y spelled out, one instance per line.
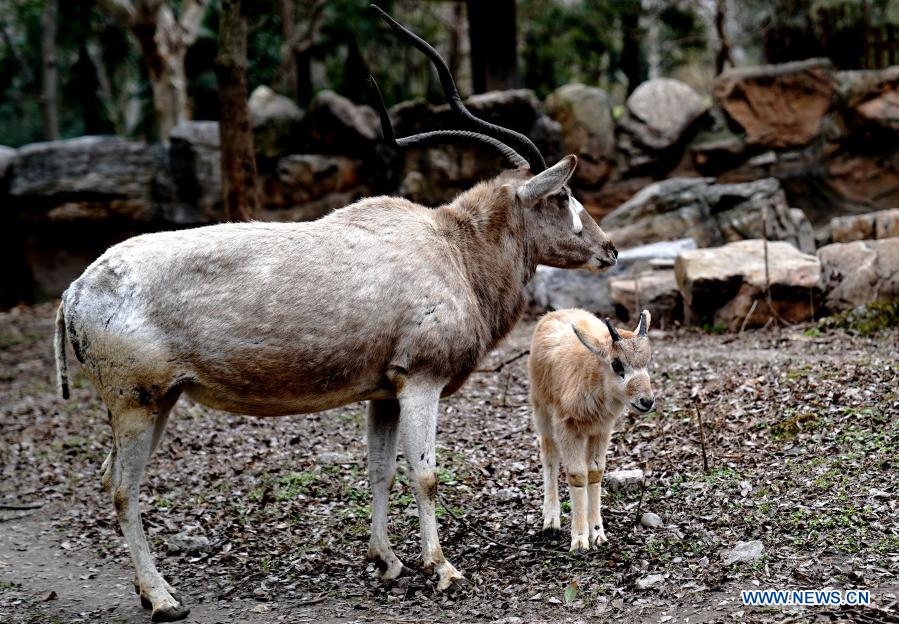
column 618, row 368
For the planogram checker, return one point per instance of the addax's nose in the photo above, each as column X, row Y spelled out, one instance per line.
column 647, row 403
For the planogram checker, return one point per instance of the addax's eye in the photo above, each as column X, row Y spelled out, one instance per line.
column 618, row 368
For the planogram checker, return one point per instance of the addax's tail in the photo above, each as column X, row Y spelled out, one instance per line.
column 59, row 343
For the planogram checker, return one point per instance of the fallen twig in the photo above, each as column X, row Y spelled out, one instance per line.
column 502, row 365
column 468, row 527
column 705, row 459
column 21, row 506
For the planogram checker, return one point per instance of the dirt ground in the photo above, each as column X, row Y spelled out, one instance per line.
column 801, row 433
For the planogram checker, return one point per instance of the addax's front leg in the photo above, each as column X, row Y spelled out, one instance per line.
column 597, row 446
column 418, row 427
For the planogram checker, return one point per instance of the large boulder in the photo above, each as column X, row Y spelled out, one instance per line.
column 275, row 120
column 555, row 289
column 661, row 111
column 873, row 225
column 778, row 106
column 306, row 186
column 728, row 285
column 90, row 178
column 655, row 290
column 436, row 174
column 870, row 98
column 860, row 272
column 661, row 116
column 6, row 157
column 588, row 130
column 196, row 172
column 712, row 214
column 335, row 125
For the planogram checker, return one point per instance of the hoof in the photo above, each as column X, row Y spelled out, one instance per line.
column 389, row 570
column 457, row 585
column 579, row 544
column 449, row 577
column 170, row 614
column 145, row 602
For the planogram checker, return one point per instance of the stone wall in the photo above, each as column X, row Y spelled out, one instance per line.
column 812, row 142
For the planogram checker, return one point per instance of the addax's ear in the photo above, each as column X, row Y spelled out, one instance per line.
column 548, row 182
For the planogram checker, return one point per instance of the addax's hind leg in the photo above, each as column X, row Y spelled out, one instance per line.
column 383, row 421
column 136, row 430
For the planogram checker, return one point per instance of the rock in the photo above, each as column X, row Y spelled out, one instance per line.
column 275, row 120
column 435, row 175
column 6, row 157
column 778, row 106
column 651, row 520
column 588, row 130
column 720, row 285
column 873, row 225
column 662, row 110
column 556, row 289
column 307, row 186
column 335, row 125
column 860, row 272
column 518, row 109
column 743, row 552
column 711, row 158
column 655, row 290
column 109, row 177
column 712, row 214
column 648, row 581
column 335, row 458
column 870, row 98
column 623, row 480
column 187, row 543
column 195, row 162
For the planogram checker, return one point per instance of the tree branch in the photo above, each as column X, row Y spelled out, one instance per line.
column 191, row 18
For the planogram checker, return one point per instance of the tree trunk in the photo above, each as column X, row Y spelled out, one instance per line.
column 494, row 53
column 723, row 56
column 235, row 132
column 630, row 47
column 50, row 94
column 164, row 50
column 288, row 67
column 164, row 42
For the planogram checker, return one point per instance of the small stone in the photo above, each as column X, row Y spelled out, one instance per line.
column 623, row 480
column 743, row 551
column 648, row 581
column 334, row 459
column 507, row 494
column 651, row 520
column 261, row 608
column 554, row 600
column 187, row 543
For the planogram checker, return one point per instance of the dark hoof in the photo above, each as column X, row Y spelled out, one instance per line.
column 406, row 571
column 136, row 584
column 458, row 586
column 145, row 602
column 170, row 614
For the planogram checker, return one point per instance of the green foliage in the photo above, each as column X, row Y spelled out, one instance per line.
column 866, row 320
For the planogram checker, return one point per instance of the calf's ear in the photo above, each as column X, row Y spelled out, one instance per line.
column 547, row 182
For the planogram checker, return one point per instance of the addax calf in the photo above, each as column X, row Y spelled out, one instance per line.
column 584, row 375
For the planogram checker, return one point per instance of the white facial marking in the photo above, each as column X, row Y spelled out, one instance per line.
column 575, row 207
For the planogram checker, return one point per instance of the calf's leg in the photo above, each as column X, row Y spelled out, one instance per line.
column 597, row 446
column 418, row 427
column 549, row 458
column 574, row 453
column 383, row 420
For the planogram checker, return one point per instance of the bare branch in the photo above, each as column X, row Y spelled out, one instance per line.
column 190, row 20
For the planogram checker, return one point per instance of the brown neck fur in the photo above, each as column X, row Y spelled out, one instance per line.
column 495, row 255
